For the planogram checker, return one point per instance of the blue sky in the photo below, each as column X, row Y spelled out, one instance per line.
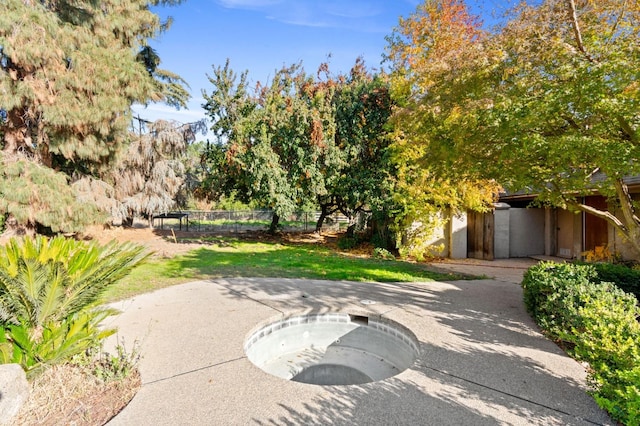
column 263, row 35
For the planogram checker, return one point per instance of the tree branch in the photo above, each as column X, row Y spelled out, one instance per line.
column 626, row 202
column 614, row 28
column 627, row 129
column 606, row 215
column 576, row 30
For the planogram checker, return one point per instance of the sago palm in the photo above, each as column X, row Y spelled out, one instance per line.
column 47, row 286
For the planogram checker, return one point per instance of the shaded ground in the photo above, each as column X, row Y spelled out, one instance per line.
column 482, row 360
column 170, row 243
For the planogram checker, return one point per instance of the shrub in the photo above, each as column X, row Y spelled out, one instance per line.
column 381, row 253
column 599, row 322
column 111, row 367
column 551, row 291
column 610, row 342
column 626, row 278
column 49, row 292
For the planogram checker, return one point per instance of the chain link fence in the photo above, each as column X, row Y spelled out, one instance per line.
column 236, row 221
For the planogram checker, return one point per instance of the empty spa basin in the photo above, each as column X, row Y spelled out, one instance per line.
column 332, row 349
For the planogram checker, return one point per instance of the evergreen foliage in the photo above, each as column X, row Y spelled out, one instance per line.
column 624, row 277
column 69, row 73
column 598, row 323
column 33, row 193
column 147, row 178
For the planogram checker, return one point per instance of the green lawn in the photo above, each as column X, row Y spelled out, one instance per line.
column 237, row 258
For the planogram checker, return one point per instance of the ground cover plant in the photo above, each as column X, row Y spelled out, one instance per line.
column 82, row 392
column 267, row 256
column 597, row 323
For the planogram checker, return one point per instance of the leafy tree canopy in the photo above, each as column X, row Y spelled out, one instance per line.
column 276, row 139
column 546, row 103
column 362, row 179
column 302, row 141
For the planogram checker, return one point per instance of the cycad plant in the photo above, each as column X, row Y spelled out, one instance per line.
column 49, row 295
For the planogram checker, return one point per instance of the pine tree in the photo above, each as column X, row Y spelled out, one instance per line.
column 69, row 73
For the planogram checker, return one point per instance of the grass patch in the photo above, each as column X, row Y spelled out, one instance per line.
column 239, row 258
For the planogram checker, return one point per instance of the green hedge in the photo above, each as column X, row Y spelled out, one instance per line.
column 621, row 275
column 597, row 322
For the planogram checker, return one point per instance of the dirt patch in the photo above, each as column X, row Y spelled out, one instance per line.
column 169, row 243
column 69, row 395
column 163, row 243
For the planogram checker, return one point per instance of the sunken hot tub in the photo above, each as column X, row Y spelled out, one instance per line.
column 332, row 348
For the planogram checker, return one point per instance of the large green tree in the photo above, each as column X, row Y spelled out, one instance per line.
column 277, row 139
column 548, row 102
column 229, row 104
column 69, row 73
column 304, row 141
column 362, row 180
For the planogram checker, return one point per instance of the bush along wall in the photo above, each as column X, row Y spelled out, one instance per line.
column 596, row 322
column 626, row 278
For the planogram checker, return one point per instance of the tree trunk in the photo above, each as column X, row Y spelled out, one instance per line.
column 323, row 214
column 275, row 219
column 15, row 133
column 13, row 229
column 629, row 225
column 127, row 222
column 18, row 137
column 382, row 234
column 629, row 215
column 351, row 229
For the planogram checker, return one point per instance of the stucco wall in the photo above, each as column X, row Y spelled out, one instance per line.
column 458, row 245
column 502, row 231
column 526, row 232
column 451, row 238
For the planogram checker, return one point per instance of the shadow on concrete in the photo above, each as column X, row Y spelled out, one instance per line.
column 482, row 357
column 383, row 403
column 428, row 395
column 478, row 312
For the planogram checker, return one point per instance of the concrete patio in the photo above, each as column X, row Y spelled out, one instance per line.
column 482, row 360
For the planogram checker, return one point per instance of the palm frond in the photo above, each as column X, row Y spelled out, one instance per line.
column 48, row 292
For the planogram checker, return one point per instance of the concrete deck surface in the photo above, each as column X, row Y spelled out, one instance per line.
column 482, row 362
